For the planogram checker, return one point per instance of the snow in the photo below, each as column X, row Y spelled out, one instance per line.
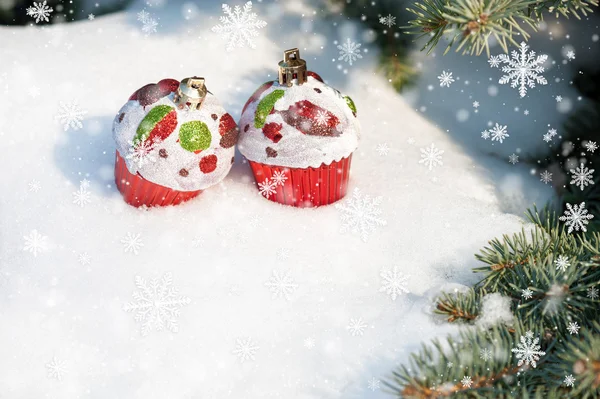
column 495, row 309
column 233, row 338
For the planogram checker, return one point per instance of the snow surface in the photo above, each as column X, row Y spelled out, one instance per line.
column 270, row 301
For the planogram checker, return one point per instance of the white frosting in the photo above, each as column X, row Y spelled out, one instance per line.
column 296, row 149
column 165, row 171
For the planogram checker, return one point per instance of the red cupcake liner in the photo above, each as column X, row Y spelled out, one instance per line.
column 138, row 191
column 307, row 187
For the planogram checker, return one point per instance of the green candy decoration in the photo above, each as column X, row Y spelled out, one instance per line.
column 264, row 107
column 194, row 136
column 350, row 104
column 150, row 121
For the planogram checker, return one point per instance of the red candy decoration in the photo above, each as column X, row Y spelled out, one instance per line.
column 314, row 75
column 273, row 131
column 305, row 115
column 228, row 130
column 168, row 86
column 208, row 163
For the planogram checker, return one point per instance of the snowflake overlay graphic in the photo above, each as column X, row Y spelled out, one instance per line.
column 349, row 51
column 592, row 293
column 279, row 178
column 35, row 186
column 245, row 349
column 528, row 351
column 431, row 156
column 569, row 380
column 360, row 214
column 382, row 149
column 582, row 176
column 388, row 20
column 546, row 177
column 591, row 146
column 527, row 293
column 522, row 69
column 281, row 285
column 576, row 217
column 83, row 196
column 35, row 243
column 141, row 153
column 446, row 79
column 149, row 26
column 513, row 158
column 40, row 11
column 466, row 381
column 562, row 262
column 499, row 133
column 56, row 369
column 132, row 243
column 239, row 26
column 309, row 343
column 393, row 282
column 71, row 115
column 322, row 118
column 485, row 354
column 573, row 328
column 373, row 384
column 156, row 304
column 356, row 327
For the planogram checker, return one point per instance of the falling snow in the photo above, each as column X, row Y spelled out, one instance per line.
column 267, row 188
column 349, row 51
column 513, row 158
column 56, row 369
column 569, row 380
column 356, row 327
column 279, row 178
column 592, row 293
column 576, row 217
column 141, row 153
column 360, row 214
column 282, row 285
column 239, row 26
column 35, row 243
column 522, row 69
column 393, row 282
column 582, row 176
column 591, row 146
column 382, row 149
column 132, row 243
column 527, row 293
column 156, row 304
column 82, row 196
column 388, row 20
column 485, row 354
column 466, row 381
column 446, row 79
column 573, row 328
column 499, row 133
column 245, row 349
column 562, row 262
column 546, row 177
column 528, row 351
column 431, row 156
column 40, row 11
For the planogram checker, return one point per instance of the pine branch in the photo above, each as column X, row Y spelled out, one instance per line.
column 471, row 23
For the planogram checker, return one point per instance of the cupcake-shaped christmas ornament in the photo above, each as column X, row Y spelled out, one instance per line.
column 298, row 135
column 173, row 141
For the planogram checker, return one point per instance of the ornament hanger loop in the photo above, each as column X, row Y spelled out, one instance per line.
column 292, row 69
column 191, row 91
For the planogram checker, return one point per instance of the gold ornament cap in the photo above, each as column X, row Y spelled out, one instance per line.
column 191, row 91
column 292, row 68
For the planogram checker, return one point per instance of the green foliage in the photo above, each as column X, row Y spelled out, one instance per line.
column 526, row 260
column 471, row 23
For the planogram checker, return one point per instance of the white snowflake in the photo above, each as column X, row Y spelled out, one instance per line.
column 282, row 285
column 446, row 79
column 571, row 55
column 132, row 243
column 279, row 178
column 267, row 188
column 591, row 146
column 71, row 115
column 485, row 135
column 582, row 176
column 141, row 153
column 466, row 381
column 558, row 99
column 382, row 149
column 431, row 156
column 35, row 186
column 373, row 384
column 156, row 304
column 349, row 51
column 475, row 104
column 91, row 17
column 485, row 354
column 592, row 293
column 245, row 349
column 547, row 137
column 569, row 380
column 40, row 11
column 526, row 112
column 35, row 243
column 56, row 368
column 149, row 26
column 388, row 20
column 83, row 196
column 513, row 158
column 309, row 343
column 449, row 364
column 356, row 327
column 499, row 133
column 523, row 69
column 562, row 262
column 84, row 258
column 393, row 282
column 322, row 118
column 573, row 328
column 576, row 217
column 546, row 177
column 527, row 293
column 239, row 26
column 143, row 16
column 360, row 214
column 528, row 351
